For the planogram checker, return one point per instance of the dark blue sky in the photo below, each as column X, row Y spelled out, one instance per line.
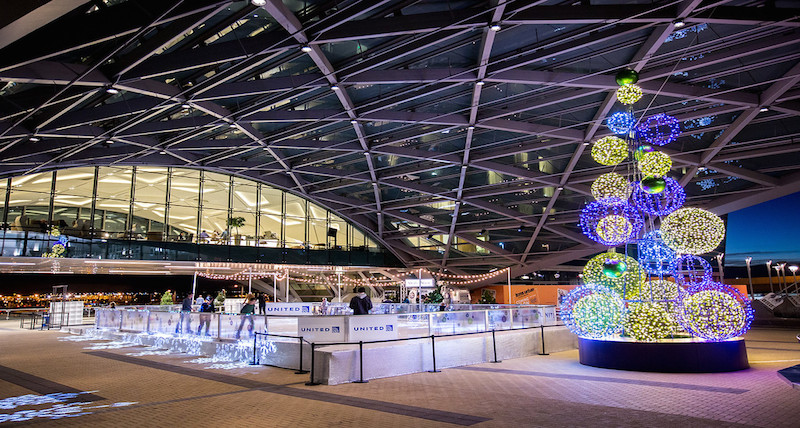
column 767, row 231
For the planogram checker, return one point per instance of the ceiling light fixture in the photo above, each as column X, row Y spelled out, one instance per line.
column 306, row 49
column 764, row 109
column 679, row 23
column 258, row 2
column 495, row 27
column 354, row 122
column 480, row 83
column 33, row 139
column 186, row 106
column 471, row 127
column 112, row 90
column 334, row 87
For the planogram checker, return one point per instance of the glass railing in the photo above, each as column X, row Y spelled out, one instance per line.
column 119, row 246
column 243, row 327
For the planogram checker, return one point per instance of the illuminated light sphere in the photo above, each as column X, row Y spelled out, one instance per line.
column 610, row 225
column 661, row 290
column 691, row 271
column 626, row 77
column 621, row 123
column 593, row 311
column 648, row 322
column 641, row 150
column 660, row 129
column 692, row 231
column 629, row 94
column 653, row 185
column 614, row 268
column 611, row 188
column 655, row 257
column 715, row 312
column 626, row 285
column 668, row 200
column 610, row 151
column 655, row 164
column 614, row 228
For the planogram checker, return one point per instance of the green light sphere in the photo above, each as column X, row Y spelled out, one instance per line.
column 653, row 185
column 627, row 77
column 614, row 268
column 642, row 150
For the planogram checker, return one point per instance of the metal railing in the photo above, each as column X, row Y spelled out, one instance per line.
column 312, row 379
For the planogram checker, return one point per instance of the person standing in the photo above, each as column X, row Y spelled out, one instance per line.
column 246, row 313
column 206, row 309
column 186, row 317
column 361, row 304
column 262, row 304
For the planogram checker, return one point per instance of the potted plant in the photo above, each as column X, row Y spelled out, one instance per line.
column 236, row 222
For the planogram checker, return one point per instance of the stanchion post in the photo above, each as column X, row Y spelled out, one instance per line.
column 300, row 370
column 543, row 352
column 255, row 338
column 433, row 353
column 311, row 378
column 494, row 346
column 361, row 362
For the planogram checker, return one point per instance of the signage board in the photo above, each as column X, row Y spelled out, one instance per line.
column 416, row 283
column 371, row 327
column 321, row 329
column 549, row 315
column 293, row 309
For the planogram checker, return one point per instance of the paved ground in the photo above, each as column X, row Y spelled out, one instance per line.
column 54, row 379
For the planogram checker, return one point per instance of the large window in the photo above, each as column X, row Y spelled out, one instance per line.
column 171, row 204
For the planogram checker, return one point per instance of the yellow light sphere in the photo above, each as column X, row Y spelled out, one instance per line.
column 655, row 164
column 648, row 322
column 611, row 188
column 626, row 285
column 629, row 94
column 614, row 228
column 610, row 151
column 692, row 231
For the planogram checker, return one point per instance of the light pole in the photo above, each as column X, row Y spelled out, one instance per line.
column 778, row 272
column 794, row 268
column 750, row 276
column 783, row 272
column 769, row 273
column 719, row 263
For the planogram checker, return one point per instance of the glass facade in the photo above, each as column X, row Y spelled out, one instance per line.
column 171, row 205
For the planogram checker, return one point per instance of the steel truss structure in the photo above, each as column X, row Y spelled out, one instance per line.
column 456, row 132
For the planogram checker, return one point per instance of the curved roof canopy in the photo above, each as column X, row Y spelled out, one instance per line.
column 456, row 132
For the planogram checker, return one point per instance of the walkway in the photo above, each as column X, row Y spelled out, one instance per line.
column 54, row 379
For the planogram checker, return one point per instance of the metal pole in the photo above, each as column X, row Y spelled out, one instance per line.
column 275, row 286
column 255, row 338
column 543, row 352
column 194, row 282
column 339, row 286
column 494, row 347
column 769, row 273
column 719, row 263
column 300, row 370
column 509, row 285
column 287, row 286
column 361, row 362
column 419, row 291
column 749, row 276
column 250, row 281
column 311, row 379
column 433, row 352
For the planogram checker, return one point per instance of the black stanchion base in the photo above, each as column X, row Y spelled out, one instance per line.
column 360, row 381
column 665, row 357
column 434, row 371
column 542, row 354
column 495, row 362
column 312, row 383
column 255, row 364
column 301, row 372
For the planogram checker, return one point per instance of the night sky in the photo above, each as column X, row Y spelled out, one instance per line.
column 767, row 231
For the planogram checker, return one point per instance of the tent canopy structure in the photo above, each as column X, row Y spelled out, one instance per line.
column 457, row 133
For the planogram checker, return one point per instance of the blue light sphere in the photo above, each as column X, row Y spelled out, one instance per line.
column 663, row 203
column 715, row 312
column 610, row 225
column 621, row 123
column 593, row 311
column 659, row 129
column 655, row 257
column 691, row 271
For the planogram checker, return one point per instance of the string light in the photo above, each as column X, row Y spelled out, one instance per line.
column 626, row 285
column 691, row 271
column 655, row 257
column 655, row 164
column 692, row 231
column 609, row 151
column 648, row 322
column 621, row 123
column 668, row 200
column 659, row 129
column 593, row 311
column 611, row 188
column 715, row 312
column 478, row 276
column 629, row 94
column 610, row 224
